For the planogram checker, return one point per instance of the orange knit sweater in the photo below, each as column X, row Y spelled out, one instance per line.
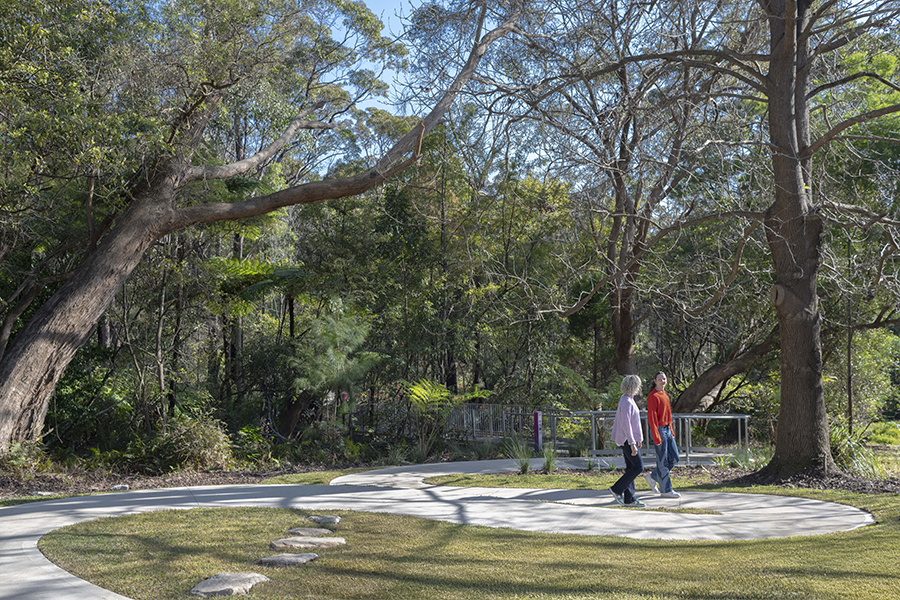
column 659, row 413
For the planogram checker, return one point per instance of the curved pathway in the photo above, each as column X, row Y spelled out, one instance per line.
column 25, row 574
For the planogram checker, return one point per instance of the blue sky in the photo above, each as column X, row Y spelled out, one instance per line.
column 386, row 10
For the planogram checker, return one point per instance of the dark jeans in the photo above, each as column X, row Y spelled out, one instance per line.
column 634, row 466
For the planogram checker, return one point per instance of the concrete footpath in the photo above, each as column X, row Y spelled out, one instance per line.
column 25, row 574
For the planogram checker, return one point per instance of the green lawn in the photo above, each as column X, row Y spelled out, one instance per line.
column 161, row 555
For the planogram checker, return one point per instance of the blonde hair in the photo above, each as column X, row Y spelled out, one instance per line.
column 631, row 385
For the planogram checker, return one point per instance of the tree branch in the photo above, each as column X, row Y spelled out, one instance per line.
column 248, row 164
column 844, row 125
column 851, row 78
column 329, row 189
column 681, row 225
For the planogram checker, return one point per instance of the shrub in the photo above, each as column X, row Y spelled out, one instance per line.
column 254, row 448
column 483, row 450
column 199, row 444
column 23, row 459
column 549, row 458
column 517, row 449
column 850, row 451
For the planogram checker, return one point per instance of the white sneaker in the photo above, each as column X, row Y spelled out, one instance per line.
column 617, row 497
column 672, row 494
column 654, row 487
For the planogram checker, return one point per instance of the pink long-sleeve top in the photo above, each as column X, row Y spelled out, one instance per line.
column 627, row 425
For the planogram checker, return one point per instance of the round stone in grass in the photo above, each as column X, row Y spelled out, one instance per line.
column 227, row 584
column 307, row 542
column 324, row 520
column 310, row 531
column 288, row 560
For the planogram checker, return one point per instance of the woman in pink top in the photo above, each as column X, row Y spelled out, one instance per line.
column 628, row 435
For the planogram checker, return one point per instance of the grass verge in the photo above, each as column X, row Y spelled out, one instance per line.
column 161, row 555
column 312, row 478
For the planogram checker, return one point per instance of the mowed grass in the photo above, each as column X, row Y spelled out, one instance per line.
column 313, row 477
column 161, row 555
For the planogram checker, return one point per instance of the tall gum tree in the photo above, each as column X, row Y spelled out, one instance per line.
column 41, row 350
column 778, row 56
column 794, row 224
column 613, row 125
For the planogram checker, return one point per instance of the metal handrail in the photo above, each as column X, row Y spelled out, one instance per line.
column 681, row 430
column 493, row 421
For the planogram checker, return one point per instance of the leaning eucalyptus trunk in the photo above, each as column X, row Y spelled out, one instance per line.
column 40, row 352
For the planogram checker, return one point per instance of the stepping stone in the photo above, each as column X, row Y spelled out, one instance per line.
column 310, row 531
column 287, row 560
column 307, row 542
column 324, row 520
column 227, row 584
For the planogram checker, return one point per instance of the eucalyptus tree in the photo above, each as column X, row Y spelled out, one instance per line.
column 780, row 55
column 626, row 131
column 174, row 71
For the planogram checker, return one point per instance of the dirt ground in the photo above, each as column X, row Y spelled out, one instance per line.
column 94, row 482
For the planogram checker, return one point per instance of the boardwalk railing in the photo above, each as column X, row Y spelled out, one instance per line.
column 495, row 421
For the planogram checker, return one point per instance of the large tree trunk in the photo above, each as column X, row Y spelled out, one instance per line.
column 794, row 234
column 41, row 351
column 622, row 320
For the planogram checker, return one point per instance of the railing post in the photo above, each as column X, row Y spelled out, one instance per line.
column 690, row 436
column 553, row 429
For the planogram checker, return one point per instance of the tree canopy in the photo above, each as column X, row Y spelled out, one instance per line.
column 593, row 189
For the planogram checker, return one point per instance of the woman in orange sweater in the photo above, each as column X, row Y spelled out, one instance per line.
column 659, row 419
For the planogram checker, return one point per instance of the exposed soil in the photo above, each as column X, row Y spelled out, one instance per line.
column 816, row 479
column 93, row 482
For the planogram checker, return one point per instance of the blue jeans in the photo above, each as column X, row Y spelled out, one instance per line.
column 634, row 466
column 666, row 458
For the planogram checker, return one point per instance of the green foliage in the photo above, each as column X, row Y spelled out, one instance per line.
column 549, row 458
column 484, row 450
column 398, row 453
column 93, row 405
column 23, row 459
column 432, row 403
column 517, row 449
column 581, row 442
column 251, row 447
column 354, row 451
column 885, row 432
column 850, row 451
column 875, row 354
column 608, row 399
column 330, row 359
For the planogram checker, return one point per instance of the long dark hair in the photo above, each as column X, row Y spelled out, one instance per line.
column 658, row 373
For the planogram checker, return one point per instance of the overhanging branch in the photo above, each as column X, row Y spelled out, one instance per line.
column 390, row 164
column 248, row 164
